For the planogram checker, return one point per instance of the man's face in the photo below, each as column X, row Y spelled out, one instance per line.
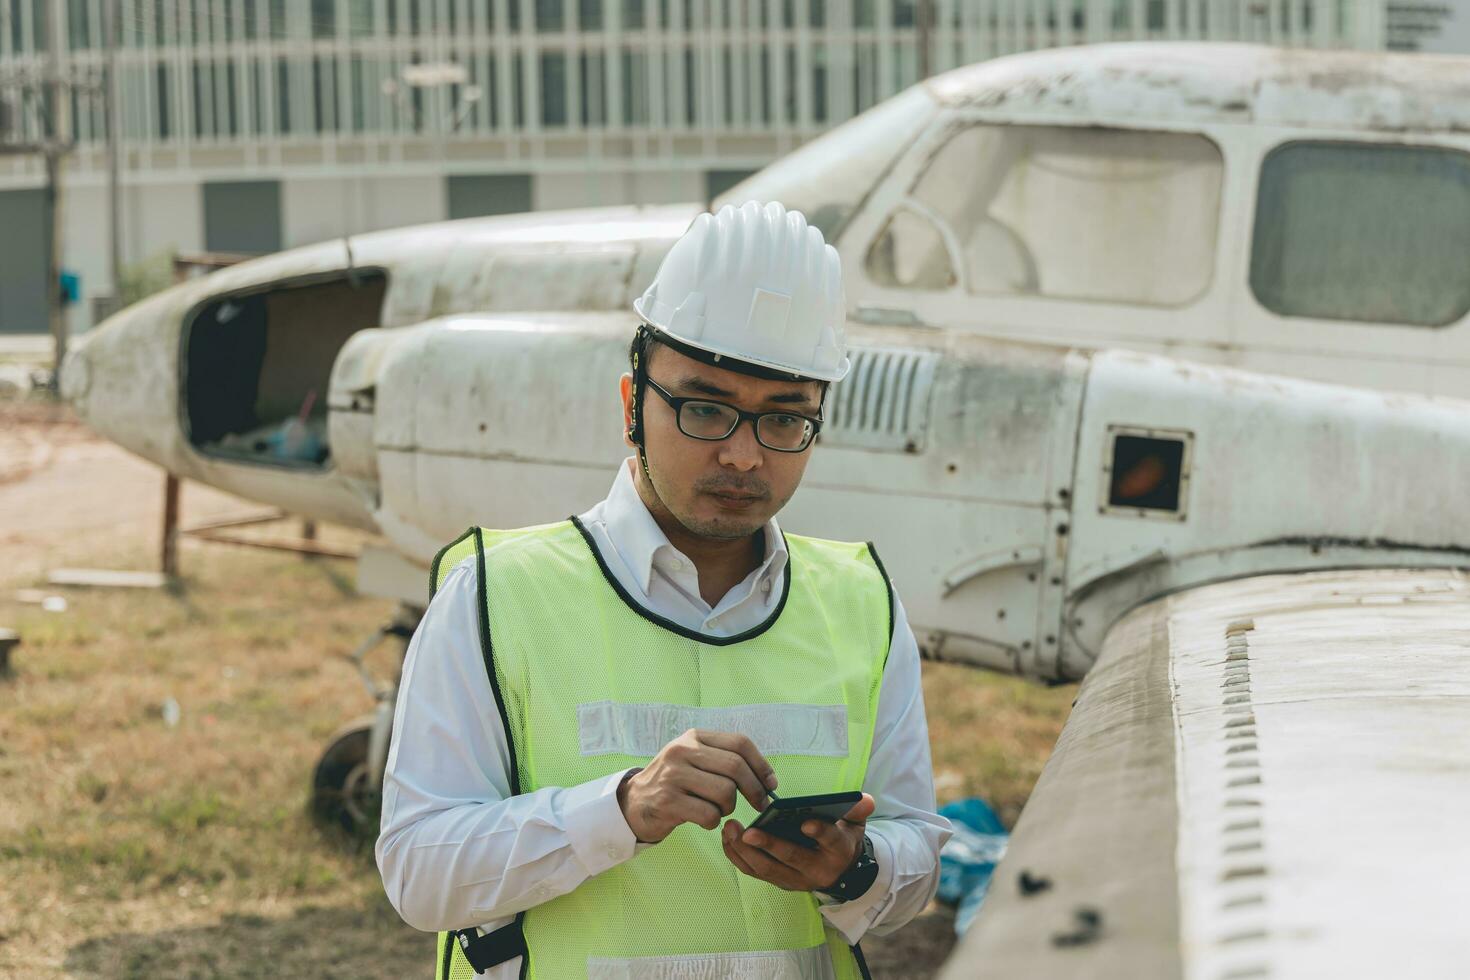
column 725, row 489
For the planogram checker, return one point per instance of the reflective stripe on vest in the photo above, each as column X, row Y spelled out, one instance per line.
column 588, row 684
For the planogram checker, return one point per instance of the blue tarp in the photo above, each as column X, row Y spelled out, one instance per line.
column 969, row 857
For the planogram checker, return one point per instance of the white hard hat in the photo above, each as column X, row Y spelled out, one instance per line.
column 757, row 285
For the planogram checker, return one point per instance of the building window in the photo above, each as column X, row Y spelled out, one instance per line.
column 161, row 89
column 283, row 96
column 197, row 85
column 1066, row 212
column 594, row 89
column 79, row 24
column 635, row 88
column 360, row 18
column 324, row 93
column 477, row 195
column 517, row 91
column 554, row 89
column 819, row 83
column 691, row 89
column 549, row 16
column 359, row 94
column 1350, row 231
column 257, row 99
column 323, row 18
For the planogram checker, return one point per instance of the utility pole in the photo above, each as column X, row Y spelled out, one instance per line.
column 924, row 16
column 55, row 143
column 35, row 118
column 113, row 26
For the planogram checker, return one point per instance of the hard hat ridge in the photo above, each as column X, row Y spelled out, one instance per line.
column 757, row 285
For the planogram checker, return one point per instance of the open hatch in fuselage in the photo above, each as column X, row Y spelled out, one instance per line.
column 257, row 364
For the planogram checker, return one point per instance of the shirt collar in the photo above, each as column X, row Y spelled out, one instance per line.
column 639, row 541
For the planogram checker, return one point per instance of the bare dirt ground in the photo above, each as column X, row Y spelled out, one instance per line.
column 68, row 497
column 130, row 847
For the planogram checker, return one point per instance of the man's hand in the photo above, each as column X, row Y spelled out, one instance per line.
column 791, row 866
column 694, row 779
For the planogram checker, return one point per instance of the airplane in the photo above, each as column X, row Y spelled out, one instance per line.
column 1070, row 510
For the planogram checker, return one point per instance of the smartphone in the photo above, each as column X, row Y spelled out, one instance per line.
column 784, row 817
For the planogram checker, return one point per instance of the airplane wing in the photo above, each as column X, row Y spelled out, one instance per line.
column 1264, row 778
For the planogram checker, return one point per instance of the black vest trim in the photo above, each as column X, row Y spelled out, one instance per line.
column 670, row 625
column 888, row 584
column 439, row 560
column 512, row 935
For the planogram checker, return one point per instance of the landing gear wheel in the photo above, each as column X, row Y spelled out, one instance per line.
column 342, row 793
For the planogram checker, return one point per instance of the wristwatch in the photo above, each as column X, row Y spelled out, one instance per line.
column 858, row 878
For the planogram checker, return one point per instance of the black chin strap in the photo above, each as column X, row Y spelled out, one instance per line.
column 640, row 375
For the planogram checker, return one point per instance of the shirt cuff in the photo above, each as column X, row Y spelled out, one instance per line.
column 595, row 825
column 856, row 917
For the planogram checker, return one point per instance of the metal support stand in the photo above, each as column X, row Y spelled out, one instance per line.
column 9, row 640
column 169, row 560
column 219, row 533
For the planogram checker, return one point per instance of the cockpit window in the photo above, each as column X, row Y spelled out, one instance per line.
column 1352, row 231
column 1061, row 211
column 828, row 178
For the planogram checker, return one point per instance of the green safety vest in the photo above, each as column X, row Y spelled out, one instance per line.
column 588, row 683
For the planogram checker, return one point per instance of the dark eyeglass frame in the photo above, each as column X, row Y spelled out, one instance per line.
column 677, row 403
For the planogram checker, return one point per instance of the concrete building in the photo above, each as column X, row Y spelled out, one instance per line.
column 255, row 125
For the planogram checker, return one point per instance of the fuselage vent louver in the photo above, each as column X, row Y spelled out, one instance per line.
column 883, row 403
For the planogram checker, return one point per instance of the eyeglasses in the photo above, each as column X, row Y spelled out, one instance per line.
column 698, row 418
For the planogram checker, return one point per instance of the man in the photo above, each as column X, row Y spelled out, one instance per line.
column 592, row 711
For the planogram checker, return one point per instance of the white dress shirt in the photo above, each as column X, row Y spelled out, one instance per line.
column 456, row 849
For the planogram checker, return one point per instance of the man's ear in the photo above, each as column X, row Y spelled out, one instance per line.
column 625, row 389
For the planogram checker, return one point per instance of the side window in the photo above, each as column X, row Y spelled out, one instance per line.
column 1066, row 212
column 1352, row 231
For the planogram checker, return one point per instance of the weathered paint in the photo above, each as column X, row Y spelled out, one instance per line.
column 1181, row 84
column 1004, row 555
column 1247, row 101
column 1262, row 778
column 1098, row 834
column 1280, row 467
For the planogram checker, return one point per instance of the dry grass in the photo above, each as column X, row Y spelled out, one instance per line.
column 991, row 734
column 132, row 849
column 129, row 848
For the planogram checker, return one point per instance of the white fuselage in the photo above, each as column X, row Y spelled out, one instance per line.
column 469, row 368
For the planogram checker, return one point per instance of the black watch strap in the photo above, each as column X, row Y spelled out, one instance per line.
column 858, row 878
